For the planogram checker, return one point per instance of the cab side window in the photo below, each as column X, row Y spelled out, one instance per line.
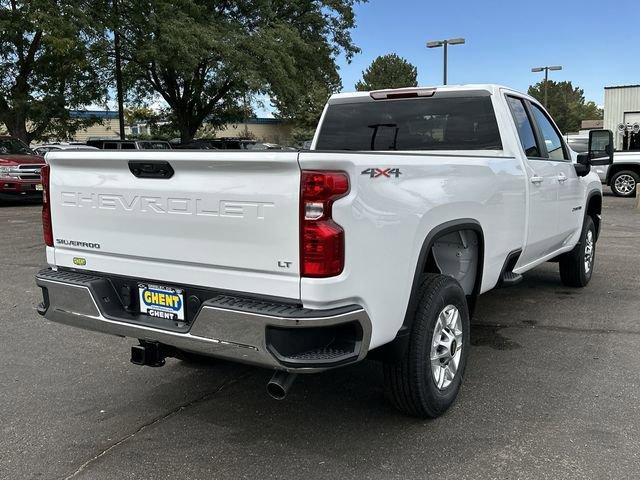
column 550, row 135
column 525, row 130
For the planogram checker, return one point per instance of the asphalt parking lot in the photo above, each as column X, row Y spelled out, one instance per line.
column 552, row 390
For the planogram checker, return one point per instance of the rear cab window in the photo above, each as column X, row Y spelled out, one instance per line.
column 453, row 122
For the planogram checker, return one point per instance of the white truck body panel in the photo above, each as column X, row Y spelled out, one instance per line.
column 231, row 220
column 223, row 219
column 382, row 217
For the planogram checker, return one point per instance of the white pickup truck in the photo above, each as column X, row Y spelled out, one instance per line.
column 375, row 243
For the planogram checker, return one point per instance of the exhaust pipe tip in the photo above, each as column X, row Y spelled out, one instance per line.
column 276, row 391
column 279, row 385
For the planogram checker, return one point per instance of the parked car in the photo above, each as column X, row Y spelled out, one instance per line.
column 622, row 176
column 111, row 144
column 54, row 147
column 267, row 146
column 19, row 170
column 224, row 143
column 376, row 243
column 579, row 143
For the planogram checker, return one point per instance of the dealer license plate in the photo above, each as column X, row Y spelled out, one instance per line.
column 161, row 302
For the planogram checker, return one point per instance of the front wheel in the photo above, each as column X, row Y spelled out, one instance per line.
column 576, row 266
column 624, row 183
column 426, row 381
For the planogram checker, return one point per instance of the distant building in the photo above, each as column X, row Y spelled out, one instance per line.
column 592, row 125
column 622, row 107
column 271, row 130
column 106, row 128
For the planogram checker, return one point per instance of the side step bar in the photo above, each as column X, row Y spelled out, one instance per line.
column 508, row 278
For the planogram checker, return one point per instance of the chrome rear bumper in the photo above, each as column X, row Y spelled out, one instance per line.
column 245, row 330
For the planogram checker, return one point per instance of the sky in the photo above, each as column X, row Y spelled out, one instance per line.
column 595, row 42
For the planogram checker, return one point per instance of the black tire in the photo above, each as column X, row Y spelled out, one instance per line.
column 573, row 268
column 624, row 183
column 409, row 383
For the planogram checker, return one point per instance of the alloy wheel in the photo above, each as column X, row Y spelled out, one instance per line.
column 588, row 252
column 446, row 347
column 625, row 184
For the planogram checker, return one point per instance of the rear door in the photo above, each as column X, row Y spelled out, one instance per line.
column 226, row 220
column 543, row 187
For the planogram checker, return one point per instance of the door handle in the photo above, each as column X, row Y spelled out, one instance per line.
column 151, row 169
column 536, row 179
column 562, row 178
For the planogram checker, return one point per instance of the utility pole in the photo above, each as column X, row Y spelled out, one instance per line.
column 445, row 44
column 119, row 89
column 546, row 78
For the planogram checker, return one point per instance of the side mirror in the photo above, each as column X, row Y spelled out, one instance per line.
column 583, row 167
column 600, row 147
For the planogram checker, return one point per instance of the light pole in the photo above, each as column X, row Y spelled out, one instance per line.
column 445, row 44
column 546, row 77
column 119, row 89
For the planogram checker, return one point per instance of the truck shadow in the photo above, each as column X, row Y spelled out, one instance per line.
column 342, row 421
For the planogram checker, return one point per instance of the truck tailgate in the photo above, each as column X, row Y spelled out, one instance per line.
column 226, row 220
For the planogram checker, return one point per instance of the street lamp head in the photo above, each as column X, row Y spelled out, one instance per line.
column 556, row 67
column 455, row 41
column 435, row 44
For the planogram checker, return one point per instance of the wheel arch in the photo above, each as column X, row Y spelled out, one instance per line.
column 426, row 264
column 594, row 209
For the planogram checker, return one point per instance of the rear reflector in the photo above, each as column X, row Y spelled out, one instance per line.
column 321, row 239
column 47, row 228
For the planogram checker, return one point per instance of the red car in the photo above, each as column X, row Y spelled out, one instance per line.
column 19, row 170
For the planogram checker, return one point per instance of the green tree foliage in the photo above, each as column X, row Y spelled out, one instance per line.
column 207, row 59
column 51, row 56
column 388, row 71
column 566, row 104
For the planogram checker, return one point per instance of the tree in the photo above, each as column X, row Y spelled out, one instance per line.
column 566, row 104
column 388, row 71
column 207, row 59
column 50, row 62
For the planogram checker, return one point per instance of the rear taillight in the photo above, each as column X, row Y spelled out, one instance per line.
column 321, row 239
column 47, row 230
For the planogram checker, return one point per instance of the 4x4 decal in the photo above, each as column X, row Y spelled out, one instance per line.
column 382, row 172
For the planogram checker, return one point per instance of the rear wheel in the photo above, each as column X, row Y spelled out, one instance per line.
column 426, row 381
column 624, row 183
column 576, row 266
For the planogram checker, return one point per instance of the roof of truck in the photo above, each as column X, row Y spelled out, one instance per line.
column 486, row 87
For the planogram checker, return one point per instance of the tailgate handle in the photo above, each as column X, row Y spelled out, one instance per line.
column 151, row 169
